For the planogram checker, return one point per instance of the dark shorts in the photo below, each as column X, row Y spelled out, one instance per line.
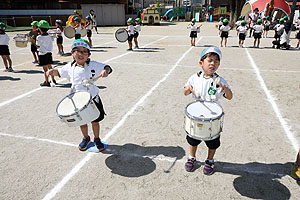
column 257, row 35
column 89, row 33
column 136, row 35
column 242, row 36
column 193, row 34
column 298, row 35
column 224, row 34
column 33, row 48
column 45, row 59
column 267, row 28
column 130, row 37
column 276, row 35
column 59, row 39
column 212, row 144
column 99, row 105
column 4, row 50
column 77, row 36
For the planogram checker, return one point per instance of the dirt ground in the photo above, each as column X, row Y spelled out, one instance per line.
column 144, row 102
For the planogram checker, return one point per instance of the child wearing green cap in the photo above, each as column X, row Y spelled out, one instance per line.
column 206, row 85
column 45, row 46
column 137, row 29
column 77, row 27
column 267, row 24
column 225, row 28
column 220, row 23
column 59, row 38
column 82, row 72
column 194, row 29
column 258, row 30
column 32, row 37
column 238, row 23
column 130, row 30
column 4, row 48
column 242, row 30
column 89, row 27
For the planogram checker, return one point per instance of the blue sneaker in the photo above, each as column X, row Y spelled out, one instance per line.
column 83, row 145
column 100, row 146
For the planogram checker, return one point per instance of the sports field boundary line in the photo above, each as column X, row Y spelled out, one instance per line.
column 79, row 165
column 272, row 101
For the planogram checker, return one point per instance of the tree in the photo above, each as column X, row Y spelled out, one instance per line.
column 235, row 9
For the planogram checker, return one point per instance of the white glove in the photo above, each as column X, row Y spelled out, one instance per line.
column 86, row 83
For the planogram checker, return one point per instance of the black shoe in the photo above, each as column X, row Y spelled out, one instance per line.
column 129, row 50
column 54, row 81
column 10, row 69
column 45, row 84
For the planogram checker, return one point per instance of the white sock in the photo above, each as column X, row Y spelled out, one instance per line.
column 190, row 157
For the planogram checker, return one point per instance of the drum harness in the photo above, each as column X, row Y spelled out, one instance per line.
column 85, row 83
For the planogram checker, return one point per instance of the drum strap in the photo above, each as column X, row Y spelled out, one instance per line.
column 73, row 64
column 213, row 86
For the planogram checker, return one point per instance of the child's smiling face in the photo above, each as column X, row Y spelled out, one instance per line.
column 80, row 54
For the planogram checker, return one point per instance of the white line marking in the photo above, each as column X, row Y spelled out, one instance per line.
column 39, row 139
column 77, row 167
column 272, row 101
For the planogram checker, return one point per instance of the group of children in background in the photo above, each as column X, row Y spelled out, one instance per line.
column 133, row 32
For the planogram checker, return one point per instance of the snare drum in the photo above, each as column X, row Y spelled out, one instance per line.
column 203, row 120
column 69, row 32
column 20, row 41
column 121, row 35
column 52, row 34
column 77, row 109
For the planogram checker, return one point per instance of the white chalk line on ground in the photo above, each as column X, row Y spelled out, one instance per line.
column 77, row 167
column 272, row 101
column 40, row 88
column 152, row 157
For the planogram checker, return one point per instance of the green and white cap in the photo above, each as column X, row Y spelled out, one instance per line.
column 212, row 49
column 34, row 23
column 193, row 20
column 43, row 24
column 130, row 20
column 81, row 43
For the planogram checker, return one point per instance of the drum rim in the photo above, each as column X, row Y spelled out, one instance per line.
column 116, row 34
column 84, row 107
column 66, row 30
column 204, row 119
column 205, row 139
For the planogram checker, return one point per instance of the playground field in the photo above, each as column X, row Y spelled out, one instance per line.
column 144, row 102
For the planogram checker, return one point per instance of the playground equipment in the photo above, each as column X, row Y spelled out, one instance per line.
column 150, row 16
column 71, row 21
column 168, row 14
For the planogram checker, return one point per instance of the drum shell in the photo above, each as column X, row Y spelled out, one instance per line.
column 21, row 42
column 69, row 32
column 203, row 128
column 83, row 116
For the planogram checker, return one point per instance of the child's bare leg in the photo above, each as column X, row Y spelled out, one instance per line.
column 90, row 41
column 130, row 44
column 34, row 56
column 225, row 42
column 4, row 61
column 221, row 43
column 254, row 42
column 298, row 44
column 84, row 131
column 45, row 68
column 136, row 42
column 258, row 42
column 211, row 153
column 9, row 60
column 96, row 129
column 193, row 150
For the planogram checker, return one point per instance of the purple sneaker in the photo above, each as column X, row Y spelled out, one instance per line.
column 189, row 165
column 208, row 168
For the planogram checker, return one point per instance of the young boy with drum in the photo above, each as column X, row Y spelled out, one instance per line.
column 77, row 28
column 295, row 169
column 45, row 46
column 4, row 50
column 205, row 85
column 82, row 72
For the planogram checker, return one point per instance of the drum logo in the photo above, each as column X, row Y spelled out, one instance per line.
column 211, row 91
column 199, row 125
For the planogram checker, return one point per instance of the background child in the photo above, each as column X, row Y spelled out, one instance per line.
column 84, row 70
column 130, row 30
column 89, row 27
column 4, row 49
column 258, row 30
column 225, row 28
column 209, row 61
column 253, row 19
column 59, row 38
column 220, row 23
column 93, row 17
column 45, row 46
column 194, row 28
column 267, row 24
column 297, row 25
column 242, row 30
column 77, row 28
column 32, row 36
column 137, row 29
column 238, row 23
column 295, row 169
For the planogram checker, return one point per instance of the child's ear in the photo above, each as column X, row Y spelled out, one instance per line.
column 201, row 62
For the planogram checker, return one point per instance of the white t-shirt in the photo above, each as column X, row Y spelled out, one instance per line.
column 225, row 28
column 89, row 71
column 4, row 39
column 238, row 23
column 130, row 28
column 193, row 27
column 254, row 16
column 205, row 87
column 267, row 23
column 258, row 28
column 220, row 23
column 137, row 28
column 58, row 32
column 89, row 27
column 242, row 29
column 45, row 44
column 276, row 27
column 78, row 29
column 280, row 29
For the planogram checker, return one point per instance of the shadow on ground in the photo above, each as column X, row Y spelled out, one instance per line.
column 29, row 72
column 8, row 78
column 131, row 160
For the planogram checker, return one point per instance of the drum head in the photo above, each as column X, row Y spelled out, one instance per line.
column 66, row 107
column 69, row 32
column 204, row 110
column 121, row 35
column 83, row 32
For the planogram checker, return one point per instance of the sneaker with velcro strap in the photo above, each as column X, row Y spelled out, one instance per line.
column 84, row 143
column 208, row 168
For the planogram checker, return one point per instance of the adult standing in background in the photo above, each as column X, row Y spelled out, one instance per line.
column 93, row 17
